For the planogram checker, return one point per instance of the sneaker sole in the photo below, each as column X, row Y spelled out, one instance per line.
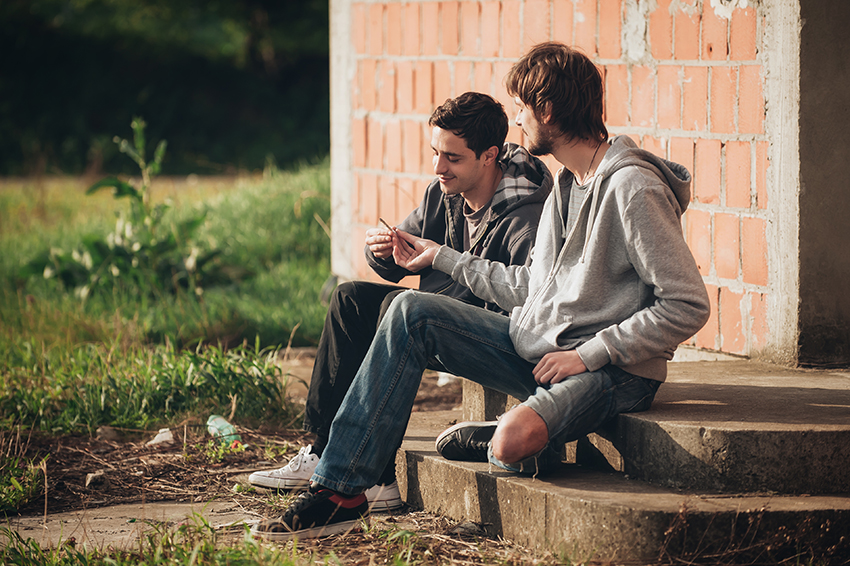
column 283, row 485
column 441, row 440
column 314, row 532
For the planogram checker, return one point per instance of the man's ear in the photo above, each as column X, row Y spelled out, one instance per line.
column 490, row 155
column 546, row 113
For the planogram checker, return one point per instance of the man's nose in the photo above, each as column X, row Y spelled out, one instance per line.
column 517, row 120
column 439, row 165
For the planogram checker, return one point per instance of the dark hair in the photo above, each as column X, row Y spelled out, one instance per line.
column 477, row 118
column 554, row 76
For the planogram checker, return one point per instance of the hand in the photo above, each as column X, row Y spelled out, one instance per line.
column 557, row 366
column 412, row 253
column 380, row 242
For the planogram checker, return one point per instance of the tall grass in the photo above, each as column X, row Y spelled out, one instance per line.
column 140, row 360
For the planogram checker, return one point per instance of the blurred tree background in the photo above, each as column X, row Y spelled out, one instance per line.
column 230, row 84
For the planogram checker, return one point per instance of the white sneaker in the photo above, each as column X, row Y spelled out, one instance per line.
column 384, row 497
column 293, row 476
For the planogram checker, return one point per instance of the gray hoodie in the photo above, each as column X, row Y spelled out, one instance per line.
column 622, row 287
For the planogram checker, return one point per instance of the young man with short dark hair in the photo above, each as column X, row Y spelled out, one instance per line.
column 610, row 293
column 486, row 200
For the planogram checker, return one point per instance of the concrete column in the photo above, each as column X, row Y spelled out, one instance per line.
column 342, row 66
column 808, row 103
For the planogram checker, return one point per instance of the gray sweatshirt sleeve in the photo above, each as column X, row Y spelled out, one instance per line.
column 505, row 285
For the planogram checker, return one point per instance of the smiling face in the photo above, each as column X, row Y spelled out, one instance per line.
column 456, row 166
column 540, row 138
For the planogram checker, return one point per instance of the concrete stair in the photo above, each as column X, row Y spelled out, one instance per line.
column 736, row 461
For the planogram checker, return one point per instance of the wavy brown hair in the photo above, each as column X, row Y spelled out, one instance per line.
column 557, row 77
column 478, row 118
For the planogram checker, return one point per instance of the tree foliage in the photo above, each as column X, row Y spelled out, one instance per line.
column 230, row 83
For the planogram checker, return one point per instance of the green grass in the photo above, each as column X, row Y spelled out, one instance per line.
column 142, row 359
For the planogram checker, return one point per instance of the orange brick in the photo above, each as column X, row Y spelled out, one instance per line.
column 483, row 76
column 562, row 21
column 368, row 78
column 709, row 336
column 714, row 31
column 695, row 99
column 738, row 174
column 754, row 251
column 427, row 152
column 758, row 321
column 727, row 245
column 358, row 28
column 394, row 28
column 412, row 33
column 387, row 197
column 511, row 31
column 393, row 145
column 408, row 197
column 470, row 34
column 500, row 71
column 367, row 203
column 609, row 29
column 732, row 337
column 617, row 95
column 669, row 97
column 442, row 82
column 658, row 146
column 386, row 87
column 686, row 38
column 743, row 34
column 423, row 89
column 661, row 31
column 707, row 171
column 412, row 140
column 585, row 26
column 490, row 36
column 514, row 134
column 430, row 27
column 682, row 152
column 535, row 23
column 375, row 145
column 463, row 77
column 448, row 28
column 643, row 97
column 404, row 84
column 698, row 234
column 358, row 141
column 761, row 175
column 751, row 101
column 376, row 27
column 724, row 83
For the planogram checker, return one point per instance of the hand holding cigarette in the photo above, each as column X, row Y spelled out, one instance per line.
column 380, row 241
column 412, row 253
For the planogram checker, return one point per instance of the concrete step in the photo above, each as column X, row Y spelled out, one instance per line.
column 734, row 426
column 586, row 514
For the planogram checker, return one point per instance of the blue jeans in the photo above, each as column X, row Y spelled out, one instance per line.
column 422, row 330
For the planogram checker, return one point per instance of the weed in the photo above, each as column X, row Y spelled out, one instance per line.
column 143, row 253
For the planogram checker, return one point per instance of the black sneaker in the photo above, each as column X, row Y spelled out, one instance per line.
column 314, row 515
column 466, row 441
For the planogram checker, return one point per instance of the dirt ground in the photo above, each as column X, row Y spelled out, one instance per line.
column 103, row 488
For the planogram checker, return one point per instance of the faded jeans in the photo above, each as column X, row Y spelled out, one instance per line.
column 424, row 330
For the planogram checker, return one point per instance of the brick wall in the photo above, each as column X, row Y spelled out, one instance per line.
column 684, row 79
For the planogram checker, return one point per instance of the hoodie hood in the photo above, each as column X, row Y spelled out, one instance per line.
column 525, row 180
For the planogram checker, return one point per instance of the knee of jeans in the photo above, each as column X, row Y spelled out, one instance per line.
column 342, row 292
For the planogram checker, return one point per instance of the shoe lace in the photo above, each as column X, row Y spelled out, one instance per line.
column 295, row 464
column 303, row 500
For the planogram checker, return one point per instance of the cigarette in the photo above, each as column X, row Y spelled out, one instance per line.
column 384, row 222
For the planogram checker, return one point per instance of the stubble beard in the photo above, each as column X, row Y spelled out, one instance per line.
column 543, row 145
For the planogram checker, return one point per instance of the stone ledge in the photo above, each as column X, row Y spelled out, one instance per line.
column 736, row 426
column 590, row 514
